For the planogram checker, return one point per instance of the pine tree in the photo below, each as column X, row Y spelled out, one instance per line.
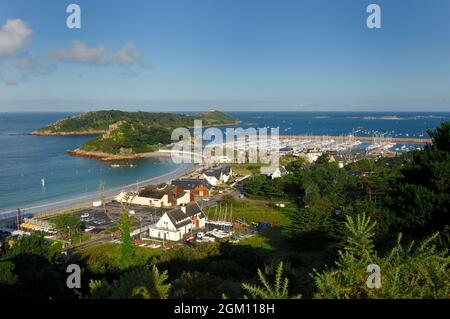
column 360, row 236
column 406, row 271
column 158, row 288
column 278, row 290
column 127, row 248
column 146, row 283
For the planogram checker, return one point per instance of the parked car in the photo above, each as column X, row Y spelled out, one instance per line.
column 90, row 228
column 190, row 238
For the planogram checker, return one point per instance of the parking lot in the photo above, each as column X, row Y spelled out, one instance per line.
column 95, row 219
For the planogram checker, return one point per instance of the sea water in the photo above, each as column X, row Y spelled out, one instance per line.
column 25, row 159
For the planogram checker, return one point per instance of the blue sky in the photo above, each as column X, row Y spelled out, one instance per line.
column 233, row 55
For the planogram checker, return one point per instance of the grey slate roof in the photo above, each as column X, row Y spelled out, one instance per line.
column 190, row 184
column 216, row 172
column 156, row 191
column 179, row 218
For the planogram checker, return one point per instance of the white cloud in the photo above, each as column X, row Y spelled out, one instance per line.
column 128, row 55
column 34, row 64
column 14, row 35
column 81, row 53
column 128, row 58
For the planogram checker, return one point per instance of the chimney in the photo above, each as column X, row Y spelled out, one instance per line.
column 183, row 208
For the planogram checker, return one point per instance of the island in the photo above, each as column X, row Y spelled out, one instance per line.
column 119, row 135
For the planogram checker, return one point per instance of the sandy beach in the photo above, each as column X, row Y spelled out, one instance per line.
column 86, row 200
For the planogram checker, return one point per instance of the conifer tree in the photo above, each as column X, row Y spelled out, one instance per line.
column 279, row 289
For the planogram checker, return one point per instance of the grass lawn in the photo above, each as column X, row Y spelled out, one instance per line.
column 101, row 257
column 253, row 211
column 245, row 168
column 81, row 237
column 249, row 211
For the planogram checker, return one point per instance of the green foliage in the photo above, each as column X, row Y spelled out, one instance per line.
column 324, row 186
column 214, row 117
column 248, row 211
column 131, row 132
column 105, row 259
column 360, row 238
column 7, row 276
column 323, row 159
column 197, row 284
column 183, row 258
column 245, row 168
column 311, row 228
column 127, row 247
column 261, row 186
column 130, row 139
column 322, row 193
column 147, row 283
column 101, row 120
column 30, row 268
column 419, row 200
column 295, row 164
column 67, row 226
column 441, row 136
column 34, row 245
column 411, row 272
column 278, row 290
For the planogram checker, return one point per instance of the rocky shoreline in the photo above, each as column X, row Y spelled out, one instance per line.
column 81, row 133
column 106, row 157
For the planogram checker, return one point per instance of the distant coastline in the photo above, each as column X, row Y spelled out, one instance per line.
column 128, row 136
column 81, row 133
column 386, row 118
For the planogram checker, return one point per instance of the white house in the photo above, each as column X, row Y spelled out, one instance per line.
column 274, row 172
column 217, row 176
column 311, row 155
column 178, row 222
column 161, row 195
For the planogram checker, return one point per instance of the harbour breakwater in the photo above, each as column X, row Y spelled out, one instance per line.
column 373, row 139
